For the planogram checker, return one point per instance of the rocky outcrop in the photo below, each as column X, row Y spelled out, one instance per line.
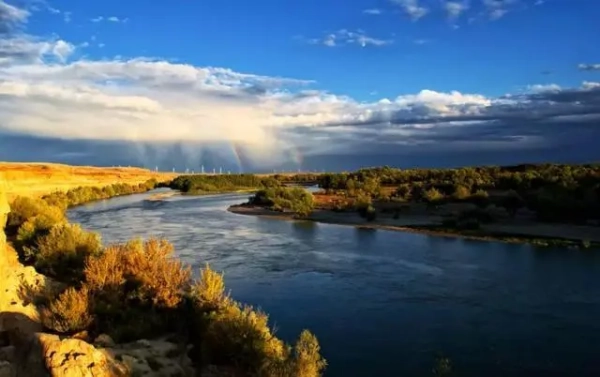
column 150, row 357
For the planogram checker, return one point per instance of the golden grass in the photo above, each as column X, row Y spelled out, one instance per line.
column 37, row 179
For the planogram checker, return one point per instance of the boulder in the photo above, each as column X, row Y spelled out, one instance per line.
column 76, row 358
column 154, row 358
column 104, row 340
column 7, row 369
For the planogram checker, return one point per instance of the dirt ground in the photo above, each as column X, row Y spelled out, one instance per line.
column 36, row 179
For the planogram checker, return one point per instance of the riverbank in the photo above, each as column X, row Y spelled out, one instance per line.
column 533, row 233
column 219, row 192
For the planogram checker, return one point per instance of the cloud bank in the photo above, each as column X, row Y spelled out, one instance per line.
column 45, row 91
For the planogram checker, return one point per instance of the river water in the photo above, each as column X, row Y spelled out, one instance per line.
column 385, row 304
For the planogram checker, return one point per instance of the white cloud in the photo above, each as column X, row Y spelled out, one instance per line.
column 116, row 19
column 455, row 8
column 542, row 88
column 24, row 49
column 496, row 9
column 161, row 102
column 412, row 8
column 421, row 41
column 373, row 11
column 11, row 17
column 113, row 19
column 67, row 16
column 347, row 37
column 589, row 67
column 496, row 14
column 590, row 85
column 62, row 50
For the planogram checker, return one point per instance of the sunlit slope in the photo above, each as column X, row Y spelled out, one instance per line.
column 35, row 179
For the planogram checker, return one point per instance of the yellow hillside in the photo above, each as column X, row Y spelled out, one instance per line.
column 36, row 179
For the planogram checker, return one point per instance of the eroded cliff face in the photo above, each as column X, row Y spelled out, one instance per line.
column 4, row 210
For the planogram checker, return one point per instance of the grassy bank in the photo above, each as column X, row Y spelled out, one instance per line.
column 37, row 179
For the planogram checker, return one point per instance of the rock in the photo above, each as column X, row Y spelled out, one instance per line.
column 7, row 370
column 18, row 321
column 104, row 340
column 76, row 358
column 143, row 343
column 82, row 335
column 154, row 358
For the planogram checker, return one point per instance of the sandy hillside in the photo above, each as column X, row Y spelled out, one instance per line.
column 35, row 179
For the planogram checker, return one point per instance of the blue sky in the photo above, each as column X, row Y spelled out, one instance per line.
column 268, row 37
column 319, row 78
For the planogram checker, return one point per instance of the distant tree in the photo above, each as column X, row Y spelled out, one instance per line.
column 432, row 195
column 461, row 192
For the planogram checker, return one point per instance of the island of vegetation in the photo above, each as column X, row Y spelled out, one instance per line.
column 72, row 306
column 544, row 204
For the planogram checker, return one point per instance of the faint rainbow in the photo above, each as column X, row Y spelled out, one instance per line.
column 236, row 153
column 296, row 156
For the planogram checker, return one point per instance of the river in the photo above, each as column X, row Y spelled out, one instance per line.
column 382, row 303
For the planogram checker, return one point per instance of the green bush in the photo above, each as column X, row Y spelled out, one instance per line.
column 295, row 199
column 62, row 253
column 23, row 209
column 240, row 336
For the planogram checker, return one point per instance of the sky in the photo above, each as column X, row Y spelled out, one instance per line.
column 299, row 85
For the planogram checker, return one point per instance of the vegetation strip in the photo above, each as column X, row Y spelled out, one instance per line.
column 136, row 290
column 545, row 205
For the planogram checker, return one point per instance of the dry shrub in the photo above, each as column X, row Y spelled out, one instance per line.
column 69, row 312
column 232, row 334
column 160, row 279
column 106, row 272
column 137, row 288
column 209, row 290
column 62, row 252
column 240, row 336
column 307, row 360
column 140, row 270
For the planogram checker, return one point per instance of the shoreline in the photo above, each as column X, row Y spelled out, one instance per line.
column 205, row 193
column 330, row 217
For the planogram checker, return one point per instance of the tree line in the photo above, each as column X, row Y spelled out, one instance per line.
column 554, row 192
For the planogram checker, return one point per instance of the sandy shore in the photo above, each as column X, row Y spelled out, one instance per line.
column 162, row 196
column 508, row 233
